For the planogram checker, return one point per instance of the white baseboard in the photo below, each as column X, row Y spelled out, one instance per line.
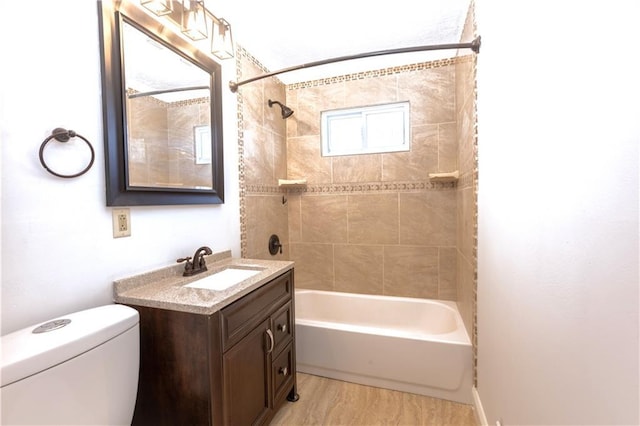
column 481, row 418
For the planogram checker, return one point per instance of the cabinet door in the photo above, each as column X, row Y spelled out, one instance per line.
column 247, row 376
column 282, row 373
column 282, row 327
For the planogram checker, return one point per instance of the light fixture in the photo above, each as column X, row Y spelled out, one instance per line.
column 194, row 20
column 158, row 7
column 221, row 41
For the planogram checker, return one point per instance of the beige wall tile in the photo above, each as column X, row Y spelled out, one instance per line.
column 292, row 122
column 204, row 112
column 167, row 155
column 465, row 82
column 417, row 163
column 312, row 101
column 466, row 130
column 305, row 161
column 263, row 162
column 358, row 269
column 447, row 273
column 411, row 271
column 258, row 156
column 279, row 158
column 428, row 218
column 357, row 168
column 265, row 216
column 295, row 217
column 371, row 91
column 466, row 293
column 252, row 95
column 447, row 147
column 314, row 265
column 466, row 198
column 323, row 218
column 373, row 218
column 431, row 94
column 466, row 222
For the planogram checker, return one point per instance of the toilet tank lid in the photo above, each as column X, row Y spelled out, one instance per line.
column 25, row 353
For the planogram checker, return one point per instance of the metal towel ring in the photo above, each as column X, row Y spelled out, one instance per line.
column 63, row 135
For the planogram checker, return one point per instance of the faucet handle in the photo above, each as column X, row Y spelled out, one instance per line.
column 188, row 267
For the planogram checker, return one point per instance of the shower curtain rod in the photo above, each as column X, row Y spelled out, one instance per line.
column 160, row 92
column 473, row 45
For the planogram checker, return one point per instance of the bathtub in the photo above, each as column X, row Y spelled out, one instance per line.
column 406, row 344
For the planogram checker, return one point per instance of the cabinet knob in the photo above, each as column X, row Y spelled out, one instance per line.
column 282, row 327
column 284, row 371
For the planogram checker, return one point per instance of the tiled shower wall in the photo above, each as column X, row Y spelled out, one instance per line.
column 367, row 223
column 166, row 156
column 262, row 144
column 466, row 245
column 376, row 223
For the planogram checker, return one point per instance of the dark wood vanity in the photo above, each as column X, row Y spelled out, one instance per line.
column 236, row 366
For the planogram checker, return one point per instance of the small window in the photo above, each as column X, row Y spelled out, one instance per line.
column 366, row 130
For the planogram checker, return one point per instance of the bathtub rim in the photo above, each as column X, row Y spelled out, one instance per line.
column 459, row 336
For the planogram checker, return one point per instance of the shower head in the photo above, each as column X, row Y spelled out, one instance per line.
column 286, row 111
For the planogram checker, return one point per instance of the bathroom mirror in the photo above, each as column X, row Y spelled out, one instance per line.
column 162, row 113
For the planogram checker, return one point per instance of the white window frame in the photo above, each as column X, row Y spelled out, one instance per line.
column 344, row 123
column 202, row 139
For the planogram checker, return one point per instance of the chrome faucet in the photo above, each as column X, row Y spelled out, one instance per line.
column 198, row 264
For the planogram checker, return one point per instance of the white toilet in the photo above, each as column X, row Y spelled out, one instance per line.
column 79, row 369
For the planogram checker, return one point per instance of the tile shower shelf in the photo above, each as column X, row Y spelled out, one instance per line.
column 292, row 183
column 445, row 177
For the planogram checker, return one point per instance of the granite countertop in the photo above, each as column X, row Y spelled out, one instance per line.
column 163, row 288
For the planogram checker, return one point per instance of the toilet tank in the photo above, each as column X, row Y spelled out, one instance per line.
column 81, row 368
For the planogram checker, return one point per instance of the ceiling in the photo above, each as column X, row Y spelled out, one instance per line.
column 284, row 33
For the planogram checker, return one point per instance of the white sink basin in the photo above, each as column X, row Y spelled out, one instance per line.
column 224, row 279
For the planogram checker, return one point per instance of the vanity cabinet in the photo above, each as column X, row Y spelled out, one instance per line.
column 234, row 367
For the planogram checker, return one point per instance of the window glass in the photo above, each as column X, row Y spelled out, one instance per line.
column 366, row 130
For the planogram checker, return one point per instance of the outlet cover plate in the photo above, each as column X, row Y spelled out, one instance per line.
column 121, row 223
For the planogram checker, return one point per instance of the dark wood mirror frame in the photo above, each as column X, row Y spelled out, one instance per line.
column 119, row 193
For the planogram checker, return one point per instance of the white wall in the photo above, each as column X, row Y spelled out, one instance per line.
column 58, row 253
column 559, row 129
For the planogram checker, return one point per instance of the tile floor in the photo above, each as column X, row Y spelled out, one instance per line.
column 332, row 402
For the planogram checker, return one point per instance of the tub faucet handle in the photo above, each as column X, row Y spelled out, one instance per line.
column 274, row 245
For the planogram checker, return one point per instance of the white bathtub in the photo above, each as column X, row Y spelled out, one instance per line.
column 406, row 344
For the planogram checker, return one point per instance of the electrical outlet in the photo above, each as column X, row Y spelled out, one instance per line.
column 121, row 223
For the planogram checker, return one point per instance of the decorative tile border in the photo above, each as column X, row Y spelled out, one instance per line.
column 420, row 66
column 265, row 189
column 241, row 53
column 335, row 188
column 474, row 176
column 380, row 72
column 187, row 102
